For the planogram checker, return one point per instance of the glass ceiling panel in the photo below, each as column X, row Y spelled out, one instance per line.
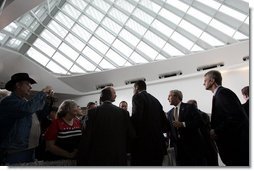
column 44, row 47
column 78, row 4
column 201, row 16
column 11, row 28
column 162, row 27
column 190, row 28
column 184, row 41
column 85, row 64
column 110, row 24
column 169, row 15
column 92, row 55
column 178, row 4
column 88, row 23
column 66, row 21
column 105, row 35
column 26, row 20
column 138, row 58
column 125, row 5
column 94, row 13
column 106, row 65
column 24, row 34
column 240, row 36
column 2, row 36
column 159, row 42
column 82, row 36
column 69, row 9
column 76, row 69
column 56, row 68
column 222, row 27
column 136, row 26
column 96, row 43
column 143, row 47
column 64, row 61
column 101, row 4
column 115, row 13
column 150, row 5
column 39, row 12
column 50, row 37
column 122, row 47
column 233, row 13
column 112, row 55
column 171, row 50
column 68, row 51
column 129, row 37
column 211, row 3
column 212, row 40
column 14, row 43
column 57, row 28
column 75, row 42
column 143, row 16
column 160, row 57
column 37, row 56
column 247, row 21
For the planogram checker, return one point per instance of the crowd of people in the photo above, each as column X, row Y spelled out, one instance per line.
column 33, row 128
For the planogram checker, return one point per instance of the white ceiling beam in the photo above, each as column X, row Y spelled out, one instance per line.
column 16, row 9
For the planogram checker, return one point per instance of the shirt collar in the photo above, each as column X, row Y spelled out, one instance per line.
column 142, row 91
column 179, row 104
column 215, row 91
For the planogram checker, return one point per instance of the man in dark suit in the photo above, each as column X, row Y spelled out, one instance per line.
column 210, row 146
column 229, row 122
column 107, row 135
column 149, row 121
column 185, row 122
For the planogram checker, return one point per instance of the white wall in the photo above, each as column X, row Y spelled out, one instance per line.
column 234, row 77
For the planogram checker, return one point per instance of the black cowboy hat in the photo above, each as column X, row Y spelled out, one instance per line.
column 17, row 78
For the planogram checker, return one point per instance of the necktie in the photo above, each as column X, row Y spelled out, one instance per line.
column 175, row 114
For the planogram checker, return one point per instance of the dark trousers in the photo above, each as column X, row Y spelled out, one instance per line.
column 146, row 160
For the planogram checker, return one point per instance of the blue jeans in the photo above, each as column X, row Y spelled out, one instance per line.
column 20, row 157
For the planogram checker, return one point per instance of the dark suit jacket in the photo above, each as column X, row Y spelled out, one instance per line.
column 231, row 125
column 188, row 141
column 211, row 149
column 106, row 136
column 149, row 121
column 246, row 107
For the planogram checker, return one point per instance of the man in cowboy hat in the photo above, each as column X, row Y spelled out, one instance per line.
column 16, row 115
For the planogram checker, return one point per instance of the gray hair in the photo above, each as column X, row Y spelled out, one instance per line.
column 65, row 107
column 178, row 94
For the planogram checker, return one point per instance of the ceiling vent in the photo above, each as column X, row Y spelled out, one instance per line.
column 134, row 80
column 246, row 58
column 99, row 87
column 170, row 74
column 206, row 67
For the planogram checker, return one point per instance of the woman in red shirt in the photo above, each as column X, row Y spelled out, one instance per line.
column 63, row 135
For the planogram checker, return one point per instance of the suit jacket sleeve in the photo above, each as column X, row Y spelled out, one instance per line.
column 137, row 110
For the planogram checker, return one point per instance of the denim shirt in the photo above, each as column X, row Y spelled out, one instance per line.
column 16, row 120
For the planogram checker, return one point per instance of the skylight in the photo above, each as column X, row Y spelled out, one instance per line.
column 83, row 36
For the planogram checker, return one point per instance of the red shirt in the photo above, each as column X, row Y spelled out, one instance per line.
column 66, row 137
